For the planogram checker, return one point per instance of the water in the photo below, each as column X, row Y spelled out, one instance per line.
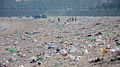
column 4, row 13
column 59, row 8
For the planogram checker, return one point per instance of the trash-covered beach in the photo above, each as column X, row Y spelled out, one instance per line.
column 60, row 41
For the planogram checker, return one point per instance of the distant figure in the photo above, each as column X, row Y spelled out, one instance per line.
column 58, row 19
column 72, row 19
column 75, row 19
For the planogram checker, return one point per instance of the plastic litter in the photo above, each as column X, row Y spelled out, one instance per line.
column 118, row 52
column 51, row 47
column 46, row 35
column 103, row 50
column 58, row 63
column 73, row 49
column 77, row 58
column 11, row 50
column 84, row 51
column 95, row 60
column 21, row 66
column 63, row 52
column 70, row 41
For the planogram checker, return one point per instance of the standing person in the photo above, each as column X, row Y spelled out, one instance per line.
column 75, row 19
column 58, row 19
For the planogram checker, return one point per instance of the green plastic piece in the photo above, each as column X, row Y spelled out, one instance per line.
column 11, row 50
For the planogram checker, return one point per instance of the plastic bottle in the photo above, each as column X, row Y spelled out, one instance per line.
column 51, row 47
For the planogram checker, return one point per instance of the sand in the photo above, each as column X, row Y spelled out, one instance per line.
column 30, row 36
